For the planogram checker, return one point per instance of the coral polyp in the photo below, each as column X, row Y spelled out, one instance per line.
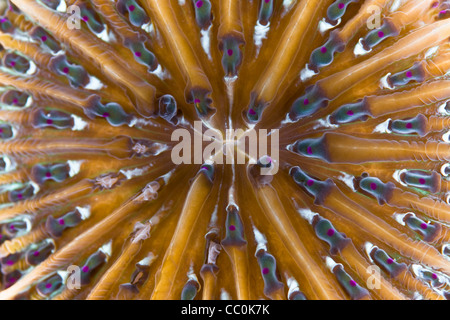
column 197, row 149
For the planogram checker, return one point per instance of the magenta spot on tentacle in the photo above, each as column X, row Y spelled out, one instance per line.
column 330, row 232
column 341, row 5
column 323, row 50
column 423, row 226
column 131, row 8
column 20, row 196
column 105, row 115
column 48, row 285
column 1, row 130
column 36, row 253
column 389, row 261
column 266, row 1
column 85, row 18
column 85, row 269
column 230, row 52
column 373, row 186
column 66, row 70
column 252, row 112
column 44, row 38
column 137, row 54
column 48, row 174
column 380, row 34
column 434, row 276
column 352, row 283
column 232, row 227
column 309, row 150
column 12, row 63
column 408, row 74
column 3, row 20
column 197, row 101
column 350, row 112
column 305, row 102
column 12, row 280
column 422, row 181
column 12, row 227
column 49, row 121
column 409, row 125
column 310, row 182
column 9, row 262
column 15, row 101
column 265, row 270
column 199, row 4
column 61, row 221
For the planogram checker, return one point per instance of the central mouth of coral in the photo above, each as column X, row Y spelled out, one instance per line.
column 234, row 146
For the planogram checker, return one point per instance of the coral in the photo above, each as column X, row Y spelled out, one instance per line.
column 353, row 201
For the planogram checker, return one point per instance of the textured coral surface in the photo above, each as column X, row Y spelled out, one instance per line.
column 93, row 205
